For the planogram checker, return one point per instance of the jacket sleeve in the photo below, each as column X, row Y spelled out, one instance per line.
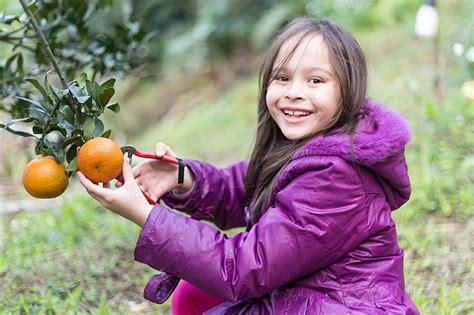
column 218, row 194
column 316, row 219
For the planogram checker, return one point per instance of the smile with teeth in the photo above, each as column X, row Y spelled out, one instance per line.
column 296, row 113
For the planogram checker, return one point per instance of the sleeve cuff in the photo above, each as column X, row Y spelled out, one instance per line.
column 146, row 235
column 182, row 196
column 189, row 201
column 160, row 288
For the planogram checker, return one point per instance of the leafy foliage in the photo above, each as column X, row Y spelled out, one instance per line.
column 95, row 37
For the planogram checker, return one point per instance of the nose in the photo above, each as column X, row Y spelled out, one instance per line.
column 294, row 91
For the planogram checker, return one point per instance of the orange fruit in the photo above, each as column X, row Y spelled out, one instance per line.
column 100, row 160
column 45, row 178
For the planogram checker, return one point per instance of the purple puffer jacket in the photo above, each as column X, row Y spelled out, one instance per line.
column 326, row 245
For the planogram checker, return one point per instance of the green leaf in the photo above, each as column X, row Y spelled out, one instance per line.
column 59, row 92
column 58, row 155
column 9, row 62
column 115, row 107
column 88, row 104
column 99, row 127
column 90, row 88
column 38, row 86
column 83, row 78
column 38, row 148
column 105, row 96
column 107, row 134
column 67, row 127
column 14, row 121
column 59, row 127
column 37, row 130
column 19, row 64
column 89, row 128
column 51, row 94
column 16, row 132
column 34, row 105
column 78, row 132
column 40, row 54
column 83, row 99
column 108, row 84
column 71, row 153
column 76, row 140
column 72, row 166
column 93, row 88
column 7, row 19
column 79, row 93
column 67, row 113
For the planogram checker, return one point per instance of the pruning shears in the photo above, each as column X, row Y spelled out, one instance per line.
column 130, row 150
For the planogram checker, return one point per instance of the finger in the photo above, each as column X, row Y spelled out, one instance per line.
column 127, row 171
column 90, row 187
column 118, row 184
column 106, row 185
column 136, row 171
column 171, row 152
column 153, row 196
column 84, row 180
column 160, row 149
column 140, row 184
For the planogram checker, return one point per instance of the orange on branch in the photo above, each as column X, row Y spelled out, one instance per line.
column 100, row 160
column 45, row 178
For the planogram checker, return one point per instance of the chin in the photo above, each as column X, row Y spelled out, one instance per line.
column 293, row 137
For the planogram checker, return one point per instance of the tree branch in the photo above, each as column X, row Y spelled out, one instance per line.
column 43, row 40
column 55, row 65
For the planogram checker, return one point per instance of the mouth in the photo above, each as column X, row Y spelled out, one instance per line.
column 295, row 116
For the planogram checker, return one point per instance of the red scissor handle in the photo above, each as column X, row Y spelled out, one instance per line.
column 152, row 155
column 131, row 150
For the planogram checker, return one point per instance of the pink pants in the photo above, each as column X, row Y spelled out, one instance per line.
column 190, row 300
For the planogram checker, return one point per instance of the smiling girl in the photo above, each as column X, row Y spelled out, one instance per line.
column 316, row 196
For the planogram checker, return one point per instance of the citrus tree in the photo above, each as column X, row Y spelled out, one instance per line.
column 60, row 70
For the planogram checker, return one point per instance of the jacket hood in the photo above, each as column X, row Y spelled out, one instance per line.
column 379, row 143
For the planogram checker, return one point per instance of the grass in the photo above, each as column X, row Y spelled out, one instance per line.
column 77, row 257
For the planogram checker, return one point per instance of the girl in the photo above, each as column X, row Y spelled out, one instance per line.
column 326, row 170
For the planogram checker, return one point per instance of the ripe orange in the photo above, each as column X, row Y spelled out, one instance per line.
column 45, row 178
column 100, row 159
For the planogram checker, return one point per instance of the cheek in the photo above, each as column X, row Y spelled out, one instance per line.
column 272, row 96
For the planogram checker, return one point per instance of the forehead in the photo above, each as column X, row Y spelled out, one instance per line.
column 308, row 51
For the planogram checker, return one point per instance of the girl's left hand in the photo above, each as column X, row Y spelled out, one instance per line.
column 127, row 201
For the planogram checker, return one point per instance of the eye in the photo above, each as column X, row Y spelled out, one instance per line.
column 315, row 80
column 281, row 78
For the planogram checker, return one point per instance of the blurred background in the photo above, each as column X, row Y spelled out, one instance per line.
column 194, row 86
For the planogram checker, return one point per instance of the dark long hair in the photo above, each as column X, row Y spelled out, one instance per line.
column 272, row 151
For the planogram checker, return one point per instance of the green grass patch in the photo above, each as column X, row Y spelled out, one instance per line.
column 74, row 258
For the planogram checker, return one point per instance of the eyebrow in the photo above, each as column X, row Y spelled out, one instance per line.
column 285, row 69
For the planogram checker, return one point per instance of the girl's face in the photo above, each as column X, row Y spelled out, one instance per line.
column 304, row 96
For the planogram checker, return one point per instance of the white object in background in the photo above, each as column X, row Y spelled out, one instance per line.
column 470, row 54
column 468, row 89
column 458, row 49
column 427, row 20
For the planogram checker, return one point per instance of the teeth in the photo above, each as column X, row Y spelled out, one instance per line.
column 295, row 113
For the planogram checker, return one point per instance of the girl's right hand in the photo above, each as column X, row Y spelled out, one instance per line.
column 156, row 177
